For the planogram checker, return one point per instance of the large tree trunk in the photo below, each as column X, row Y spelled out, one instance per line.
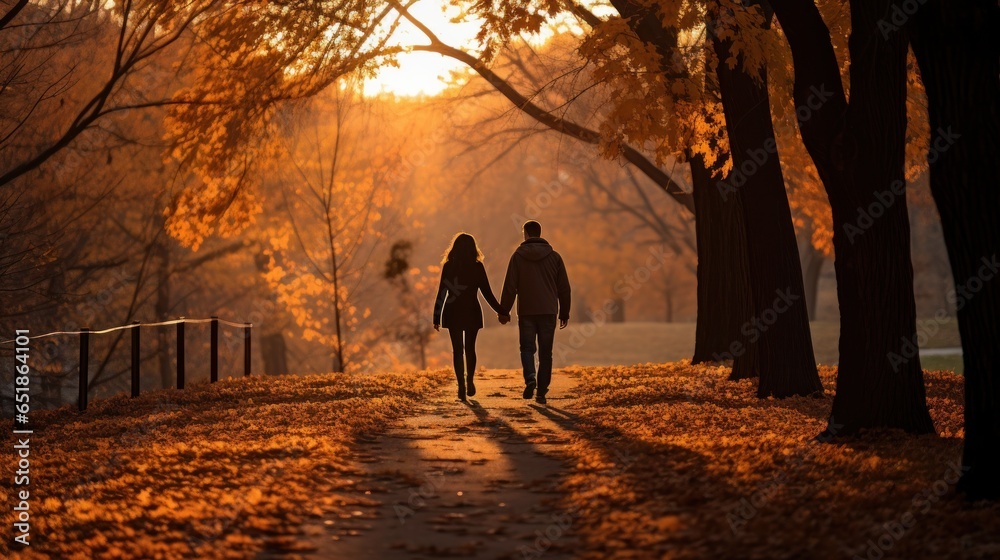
column 959, row 57
column 751, row 237
column 723, row 281
column 880, row 382
column 779, row 326
column 724, row 295
column 858, row 151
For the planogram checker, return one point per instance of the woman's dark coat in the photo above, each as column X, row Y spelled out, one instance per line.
column 457, row 302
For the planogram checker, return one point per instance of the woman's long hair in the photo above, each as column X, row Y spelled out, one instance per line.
column 463, row 250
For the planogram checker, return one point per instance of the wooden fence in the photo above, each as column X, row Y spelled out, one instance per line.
column 135, row 329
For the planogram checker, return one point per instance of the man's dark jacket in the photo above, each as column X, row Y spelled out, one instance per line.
column 537, row 276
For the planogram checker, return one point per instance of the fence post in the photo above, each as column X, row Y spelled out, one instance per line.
column 214, row 361
column 246, row 349
column 180, row 354
column 135, row 358
column 84, row 367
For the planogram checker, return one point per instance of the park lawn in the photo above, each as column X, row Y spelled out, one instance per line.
column 590, row 344
column 213, row 471
column 675, row 461
column 948, row 363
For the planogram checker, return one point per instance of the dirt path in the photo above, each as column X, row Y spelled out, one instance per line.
column 463, row 480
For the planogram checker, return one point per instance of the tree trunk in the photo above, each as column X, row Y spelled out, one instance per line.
column 723, row 282
column 618, row 316
column 338, row 348
column 880, row 382
column 274, row 352
column 273, row 349
column 669, row 302
column 723, row 285
column 779, row 326
column 859, row 153
column 812, row 270
column 959, row 57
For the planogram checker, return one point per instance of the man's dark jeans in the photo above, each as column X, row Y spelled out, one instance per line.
column 540, row 328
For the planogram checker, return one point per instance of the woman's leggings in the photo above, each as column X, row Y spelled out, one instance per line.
column 468, row 348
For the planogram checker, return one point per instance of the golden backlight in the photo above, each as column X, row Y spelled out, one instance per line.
column 421, row 73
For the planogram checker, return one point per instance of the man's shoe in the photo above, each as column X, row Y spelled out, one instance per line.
column 471, row 387
column 540, row 399
column 529, row 390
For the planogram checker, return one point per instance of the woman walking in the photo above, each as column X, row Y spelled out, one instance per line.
column 457, row 309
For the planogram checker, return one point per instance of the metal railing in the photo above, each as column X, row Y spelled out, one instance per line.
column 84, row 334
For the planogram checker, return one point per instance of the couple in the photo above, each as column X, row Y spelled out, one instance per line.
column 536, row 276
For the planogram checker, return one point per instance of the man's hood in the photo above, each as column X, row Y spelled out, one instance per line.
column 534, row 249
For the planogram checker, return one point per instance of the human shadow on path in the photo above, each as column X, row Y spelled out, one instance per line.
column 495, row 484
column 459, row 479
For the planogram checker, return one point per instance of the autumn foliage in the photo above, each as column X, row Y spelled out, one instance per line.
column 676, row 460
column 213, row 471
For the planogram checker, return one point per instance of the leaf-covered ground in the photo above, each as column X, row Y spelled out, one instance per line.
column 675, row 461
column 657, row 461
column 221, row 471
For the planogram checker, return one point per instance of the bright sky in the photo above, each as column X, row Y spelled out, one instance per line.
column 421, row 72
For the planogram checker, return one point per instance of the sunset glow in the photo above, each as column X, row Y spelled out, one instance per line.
column 500, row 279
column 421, row 73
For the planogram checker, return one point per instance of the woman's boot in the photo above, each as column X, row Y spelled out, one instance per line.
column 471, row 385
column 461, row 386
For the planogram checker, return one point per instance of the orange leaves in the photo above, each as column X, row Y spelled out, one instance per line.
column 251, row 60
column 507, row 19
column 217, row 484
column 225, row 206
column 918, row 132
column 742, row 25
column 660, row 99
column 674, row 460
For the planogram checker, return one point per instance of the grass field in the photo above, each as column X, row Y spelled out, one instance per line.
column 639, row 343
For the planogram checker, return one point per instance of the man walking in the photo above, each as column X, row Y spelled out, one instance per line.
column 536, row 276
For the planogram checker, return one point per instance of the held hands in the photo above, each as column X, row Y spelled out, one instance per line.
column 504, row 319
